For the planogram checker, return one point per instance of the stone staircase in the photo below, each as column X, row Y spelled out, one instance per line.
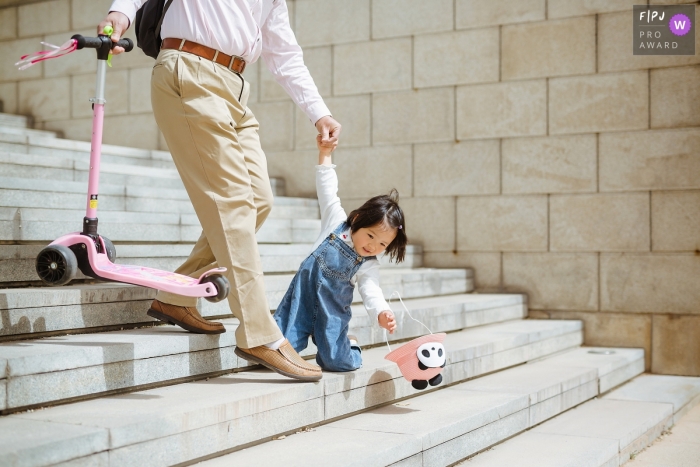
column 87, row 378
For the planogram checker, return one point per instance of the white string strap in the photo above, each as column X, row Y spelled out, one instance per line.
column 405, row 309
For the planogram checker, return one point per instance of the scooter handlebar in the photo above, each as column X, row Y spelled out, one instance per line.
column 100, row 41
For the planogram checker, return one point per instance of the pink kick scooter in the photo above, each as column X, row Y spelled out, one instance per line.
column 93, row 254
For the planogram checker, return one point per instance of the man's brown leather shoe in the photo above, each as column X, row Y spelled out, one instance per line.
column 187, row 317
column 285, row 361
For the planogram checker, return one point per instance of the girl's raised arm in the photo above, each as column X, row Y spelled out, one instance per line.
column 325, row 155
column 332, row 212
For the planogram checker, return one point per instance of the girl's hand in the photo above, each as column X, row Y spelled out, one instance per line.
column 325, row 151
column 387, row 321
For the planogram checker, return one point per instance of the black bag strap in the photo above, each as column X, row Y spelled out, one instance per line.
column 160, row 22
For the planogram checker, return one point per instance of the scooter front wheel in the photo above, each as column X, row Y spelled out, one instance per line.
column 222, row 287
column 110, row 249
column 56, row 265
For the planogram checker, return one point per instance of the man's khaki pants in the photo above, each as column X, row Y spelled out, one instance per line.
column 201, row 108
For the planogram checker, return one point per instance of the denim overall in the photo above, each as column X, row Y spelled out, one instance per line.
column 317, row 304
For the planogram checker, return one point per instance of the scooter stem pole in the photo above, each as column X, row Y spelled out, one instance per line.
column 96, row 145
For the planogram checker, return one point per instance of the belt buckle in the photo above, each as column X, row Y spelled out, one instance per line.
column 233, row 59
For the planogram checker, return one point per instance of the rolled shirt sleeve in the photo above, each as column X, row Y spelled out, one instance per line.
column 128, row 7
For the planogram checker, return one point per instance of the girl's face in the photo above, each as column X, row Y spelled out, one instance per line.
column 372, row 241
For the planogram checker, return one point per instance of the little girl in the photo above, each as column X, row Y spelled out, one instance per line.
column 318, row 300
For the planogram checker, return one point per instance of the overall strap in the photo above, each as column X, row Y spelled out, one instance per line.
column 341, row 228
column 336, row 233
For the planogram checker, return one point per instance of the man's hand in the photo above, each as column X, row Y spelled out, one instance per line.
column 387, row 321
column 329, row 130
column 324, row 152
column 120, row 23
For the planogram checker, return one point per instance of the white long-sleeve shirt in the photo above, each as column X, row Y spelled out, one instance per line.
column 332, row 215
column 249, row 29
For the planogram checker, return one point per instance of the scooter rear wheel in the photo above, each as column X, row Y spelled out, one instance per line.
column 222, row 287
column 56, row 265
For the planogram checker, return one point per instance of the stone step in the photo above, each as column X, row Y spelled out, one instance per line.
column 6, row 130
column 37, row 311
column 46, row 144
column 17, row 261
column 45, row 225
column 683, row 392
column 275, row 258
column 14, row 164
column 604, row 432
column 10, row 120
column 445, row 426
column 677, row 448
column 185, row 422
column 19, row 193
column 19, row 165
column 14, row 187
column 47, row 169
column 59, row 368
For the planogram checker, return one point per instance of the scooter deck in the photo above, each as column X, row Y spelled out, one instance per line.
column 155, row 278
column 146, row 274
column 141, row 275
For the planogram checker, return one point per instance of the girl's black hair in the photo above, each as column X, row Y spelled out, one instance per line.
column 384, row 210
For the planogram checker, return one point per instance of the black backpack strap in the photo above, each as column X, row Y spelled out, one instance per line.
column 160, row 22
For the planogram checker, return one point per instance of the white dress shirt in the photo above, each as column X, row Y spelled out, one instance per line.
column 249, row 29
column 332, row 215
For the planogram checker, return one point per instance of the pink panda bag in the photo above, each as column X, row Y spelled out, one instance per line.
column 422, row 359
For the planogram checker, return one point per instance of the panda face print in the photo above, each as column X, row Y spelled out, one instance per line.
column 431, row 355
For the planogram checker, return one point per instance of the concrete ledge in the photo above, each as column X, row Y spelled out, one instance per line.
column 22, row 162
column 619, row 367
column 174, row 424
column 26, row 193
column 35, row 224
column 603, row 432
column 17, row 261
column 410, row 283
column 443, row 427
column 683, row 392
column 61, row 442
column 632, row 425
column 525, row 451
column 10, row 120
column 66, row 367
column 48, row 309
column 17, row 131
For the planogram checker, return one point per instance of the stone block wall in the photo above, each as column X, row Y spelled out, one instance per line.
column 525, row 138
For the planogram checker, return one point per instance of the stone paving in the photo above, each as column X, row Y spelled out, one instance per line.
column 677, row 447
column 612, row 430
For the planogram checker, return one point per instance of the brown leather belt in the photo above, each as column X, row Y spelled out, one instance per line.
column 233, row 63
